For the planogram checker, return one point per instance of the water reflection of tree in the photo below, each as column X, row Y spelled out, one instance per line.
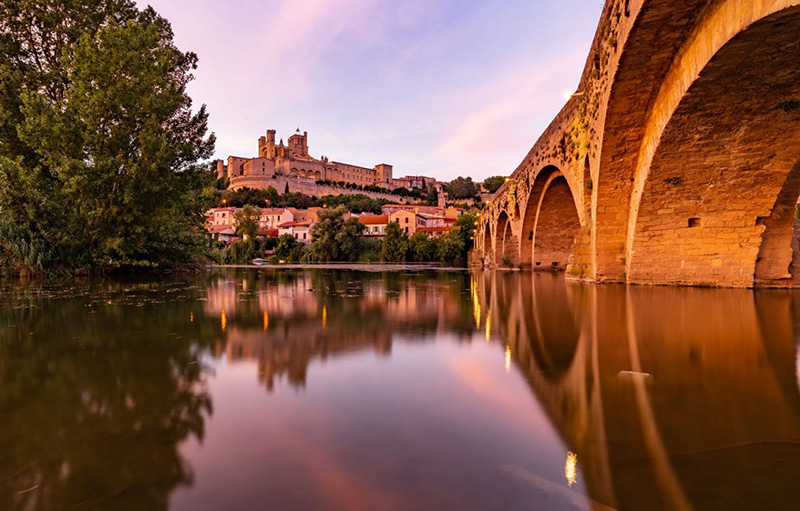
column 98, row 386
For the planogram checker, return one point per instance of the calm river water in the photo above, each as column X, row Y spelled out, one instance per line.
column 325, row 390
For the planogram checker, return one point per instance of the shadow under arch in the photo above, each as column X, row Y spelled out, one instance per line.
column 556, row 226
column 530, row 213
column 714, row 183
column 487, row 239
column 505, row 240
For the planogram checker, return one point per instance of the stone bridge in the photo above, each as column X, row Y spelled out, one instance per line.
column 675, row 162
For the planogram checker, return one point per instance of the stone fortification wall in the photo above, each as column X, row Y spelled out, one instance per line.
column 308, row 187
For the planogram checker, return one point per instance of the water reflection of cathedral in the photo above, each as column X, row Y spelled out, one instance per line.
column 670, row 399
column 285, row 322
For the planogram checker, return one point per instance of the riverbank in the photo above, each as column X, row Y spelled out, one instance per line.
column 367, row 267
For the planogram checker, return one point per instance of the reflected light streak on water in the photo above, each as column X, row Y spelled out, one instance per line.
column 488, row 334
column 571, row 468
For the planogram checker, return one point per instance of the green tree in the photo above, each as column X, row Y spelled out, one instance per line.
column 244, row 196
column 458, row 243
column 450, row 249
column 241, row 252
column 395, row 244
column 467, row 224
column 461, row 188
column 420, row 248
column 246, row 221
column 286, row 247
column 492, row 184
column 334, row 238
column 104, row 167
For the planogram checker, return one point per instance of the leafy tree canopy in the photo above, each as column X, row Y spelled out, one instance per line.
column 461, row 188
column 99, row 147
column 246, row 221
column 492, row 184
column 269, row 197
column 395, row 243
column 334, row 238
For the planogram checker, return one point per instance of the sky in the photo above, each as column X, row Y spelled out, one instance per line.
column 440, row 88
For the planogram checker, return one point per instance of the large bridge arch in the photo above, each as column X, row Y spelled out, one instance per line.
column 550, row 223
column 557, row 225
column 684, row 134
column 716, row 178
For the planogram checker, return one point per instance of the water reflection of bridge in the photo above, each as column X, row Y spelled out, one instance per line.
column 671, row 398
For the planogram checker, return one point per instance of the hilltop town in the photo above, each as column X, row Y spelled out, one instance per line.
column 292, row 169
column 253, row 220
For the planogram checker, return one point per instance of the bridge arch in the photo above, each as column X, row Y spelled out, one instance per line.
column 718, row 175
column 499, row 232
column 506, row 243
column 557, row 225
column 530, row 214
column 487, row 239
column 551, row 222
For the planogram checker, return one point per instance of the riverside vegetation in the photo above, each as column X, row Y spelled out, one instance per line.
column 100, row 152
column 339, row 239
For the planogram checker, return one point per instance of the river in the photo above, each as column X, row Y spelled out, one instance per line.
column 338, row 390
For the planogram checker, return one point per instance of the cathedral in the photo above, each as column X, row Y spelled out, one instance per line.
column 293, row 161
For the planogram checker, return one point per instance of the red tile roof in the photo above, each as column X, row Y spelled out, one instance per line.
column 374, row 220
column 217, row 229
